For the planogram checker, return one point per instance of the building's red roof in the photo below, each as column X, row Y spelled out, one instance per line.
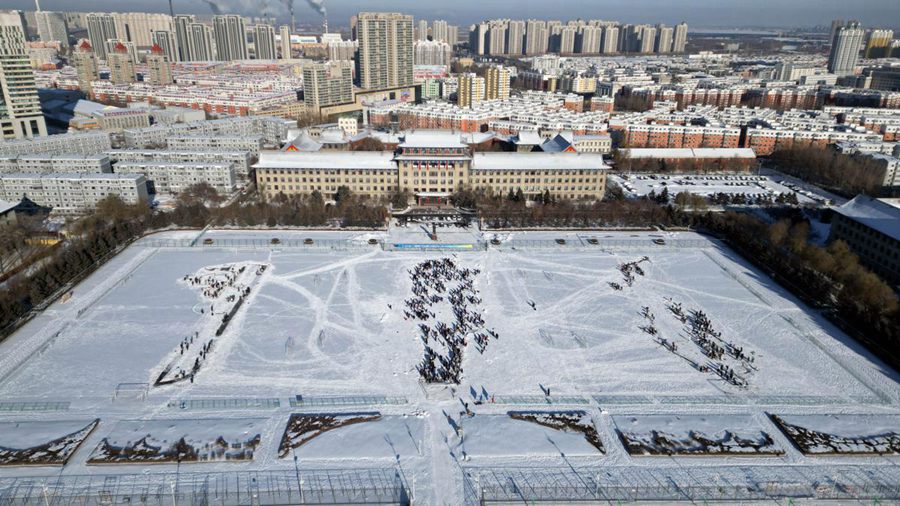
column 85, row 46
column 120, row 48
column 156, row 49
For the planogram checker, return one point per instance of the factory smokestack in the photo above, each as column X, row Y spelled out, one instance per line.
column 171, row 9
column 37, row 5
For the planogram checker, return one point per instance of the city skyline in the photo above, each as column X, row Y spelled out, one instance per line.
column 699, row 13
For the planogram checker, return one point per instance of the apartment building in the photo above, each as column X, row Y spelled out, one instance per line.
column 175, row 177
column 46, row 164
column 252, row 144
column 69, row 193
column 239, row 160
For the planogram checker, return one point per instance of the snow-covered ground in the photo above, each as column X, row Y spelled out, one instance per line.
column 327, row 323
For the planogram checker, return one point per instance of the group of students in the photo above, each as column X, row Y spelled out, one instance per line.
column 431, row 280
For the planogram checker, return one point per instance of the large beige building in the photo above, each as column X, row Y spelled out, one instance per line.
column 159, row 67
column 121, row 65
column 20, row 108
column 431, row 166
column 470, row 91
column 385, row 50
column 496, row 83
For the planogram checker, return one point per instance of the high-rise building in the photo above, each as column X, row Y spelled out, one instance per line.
column 101, row 27
column 201, row 44
column 497, row 37
column 453, row 35
column 536, row 37
column 86, row 68
column 440, row 31
column 432, row 52
column 470, row 91
column 284, row 34
column 422, row 30
column 515, row 37
column 647, row 38
column 845, row 47
column 588, row 39
column 342, row 50
column 112, row 44
column 878, row 43
column 496, row 83
column 679, row 41
column 610, row 39
column 385, row 50
column 166, row 41
column 264, row 42
column 52, row 26
column 20, row 110
column 835, row 25
column 478, row 38
column 664, row 37
column 567, row 39
column 182, row 37
column 326, row 84
column 231, row 37
column 121, row 65
column 136, row 27
column 159, row 67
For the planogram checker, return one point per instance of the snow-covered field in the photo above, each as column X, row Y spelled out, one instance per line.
column 327, row 323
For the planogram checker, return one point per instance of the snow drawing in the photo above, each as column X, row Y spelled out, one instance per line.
column 226, row 287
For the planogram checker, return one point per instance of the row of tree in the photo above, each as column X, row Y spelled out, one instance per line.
column 845, row 174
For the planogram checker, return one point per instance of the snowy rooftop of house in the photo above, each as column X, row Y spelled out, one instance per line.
column 6, row 206
column 432, row 139
column 327, row 160
column 882, row 215
column 537, row 161
column 529, row 138
column 691, row 153
column 69, row 175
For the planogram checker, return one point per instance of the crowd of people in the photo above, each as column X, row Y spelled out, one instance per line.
column 436, row 281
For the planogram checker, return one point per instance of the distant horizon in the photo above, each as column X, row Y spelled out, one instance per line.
column 771, row 14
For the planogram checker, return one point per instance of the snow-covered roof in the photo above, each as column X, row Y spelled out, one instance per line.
column 432, row 139
column 691, row 153
column 882, row 215
column 327, row 160
column 6, row 206
column 537, row 161
column 528, row 138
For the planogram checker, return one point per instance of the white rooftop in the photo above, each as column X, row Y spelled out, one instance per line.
column 882, row 215
column 327, row 160
column 6, row 206
column 537, row 161
column 432, row 139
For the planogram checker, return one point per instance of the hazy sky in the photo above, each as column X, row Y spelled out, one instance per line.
column 884, row 13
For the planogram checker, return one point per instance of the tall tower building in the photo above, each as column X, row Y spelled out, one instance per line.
column 231, row 37
column 52, row 26
column 567, row 39
column 182, row 36
column 452, row 35
column 680, row 39
column 440, row 31
column 20, row 109
column 326, row 84
column 166, row 41
column 159, row 67
column 496, row 83
column 121, row 65
column 664, row 38
column 535, row 37
column 835, row 25
column 647, row 39
column 497, row 37
column 85, row 62
column 515, row 37
column 385, row 50
column 845, row 47
column 610, row 39
column 264, row 42
column 878, row 43
column 201, row 45
column 478, row 38
column 588, row 39
column 284, row 33
column 101, row 28
column 136, row 27
column 431, row 52
column 422, row 30
column 470, row 91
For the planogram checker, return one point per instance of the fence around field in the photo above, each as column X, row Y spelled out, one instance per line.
column 341, row 401
column 325, row 486
column 693, row 484
column 245, row 243
column 636, row 243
